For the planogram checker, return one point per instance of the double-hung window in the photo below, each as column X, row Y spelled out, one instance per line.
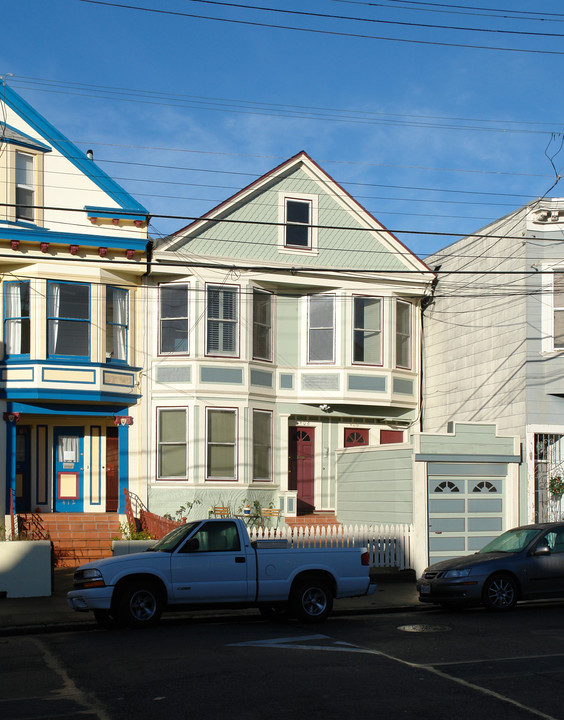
column 172, row 443
column 367, row 342
column 25, row 186
column 222, row 321
column 321, row 329
column 173, row 319
column 403, row 334
column 16, row 318
column 262, row 446
column 558, row 309
column 221, row 444
column 68, row 320
column 116, row 324
column 298, row 224
column 262, row 325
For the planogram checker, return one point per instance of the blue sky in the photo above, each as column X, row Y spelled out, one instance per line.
column 184, row 111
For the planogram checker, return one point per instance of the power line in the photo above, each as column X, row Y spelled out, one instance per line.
column 318, row 31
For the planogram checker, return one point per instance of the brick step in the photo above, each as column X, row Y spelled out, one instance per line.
column 79, row 537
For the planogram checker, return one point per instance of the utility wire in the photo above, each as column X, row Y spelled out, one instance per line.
column 317, row 31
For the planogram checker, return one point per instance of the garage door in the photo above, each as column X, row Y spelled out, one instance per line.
column 466, row 507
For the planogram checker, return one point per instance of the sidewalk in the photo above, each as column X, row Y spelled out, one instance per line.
column 395, row 592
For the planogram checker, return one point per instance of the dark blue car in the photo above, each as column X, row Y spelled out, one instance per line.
column 526, row 563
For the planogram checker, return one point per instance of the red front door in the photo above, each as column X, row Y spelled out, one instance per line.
column 112, row 469
column 302, row 467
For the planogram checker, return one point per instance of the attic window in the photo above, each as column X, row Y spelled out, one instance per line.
column 298, row 221
column 25, row 186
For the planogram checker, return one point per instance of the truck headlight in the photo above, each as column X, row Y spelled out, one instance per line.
column 88, row 578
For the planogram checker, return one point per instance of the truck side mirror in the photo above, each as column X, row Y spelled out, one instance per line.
column 190, row 545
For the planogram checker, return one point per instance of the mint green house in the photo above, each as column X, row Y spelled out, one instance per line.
column 282, row 332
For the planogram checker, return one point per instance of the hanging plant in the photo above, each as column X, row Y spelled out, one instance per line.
column 556, row 485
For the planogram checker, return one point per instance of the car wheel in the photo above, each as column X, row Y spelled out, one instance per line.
column 311, row 600
column 105, row 618
column 500, row 593
column 140, row 604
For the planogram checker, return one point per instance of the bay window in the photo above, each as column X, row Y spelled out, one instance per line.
column 222, row 330
column 262, row 325
column 221, row 444
column 16, row 318
column 116, row 324
column 262, row 445
column 173, row 319
column 321, row 329
column 68, row 319
column 172, row 444
column 403, row 334
column 367, row 338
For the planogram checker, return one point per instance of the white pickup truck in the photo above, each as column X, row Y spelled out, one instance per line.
column 213, row 563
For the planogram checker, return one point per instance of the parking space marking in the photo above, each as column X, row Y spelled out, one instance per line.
column 297, row 643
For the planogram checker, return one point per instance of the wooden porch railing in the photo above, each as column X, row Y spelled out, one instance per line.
column 140, row 518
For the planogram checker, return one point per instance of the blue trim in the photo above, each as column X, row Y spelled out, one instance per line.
column 70, row 151
column 36, row 235
column 15, row 394
column 123, row 453
column 32, row 142
column 92, row 439
column 10, row 462
column 64, row 366
column 70, row 410
column 45, row 455
column 105, row 212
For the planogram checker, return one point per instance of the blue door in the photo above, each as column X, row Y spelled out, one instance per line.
column 69, row 469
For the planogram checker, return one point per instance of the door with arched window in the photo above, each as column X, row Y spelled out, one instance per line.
column 302, row 467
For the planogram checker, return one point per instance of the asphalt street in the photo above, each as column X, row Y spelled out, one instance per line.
column 416, row 665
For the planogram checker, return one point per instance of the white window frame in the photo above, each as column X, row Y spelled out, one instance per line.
column 234, row 444
column 365, row 330
column 176, row 286
column 556, row 308
column 27, row 214
column 160, row 443
column 269, row 414
column 310, row 329
column 235, row 289
column 313, row 201
column 409, row 364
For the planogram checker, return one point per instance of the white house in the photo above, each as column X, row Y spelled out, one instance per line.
column 282, row 329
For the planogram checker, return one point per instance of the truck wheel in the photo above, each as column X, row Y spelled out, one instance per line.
column 311, row 600
column 140, row 604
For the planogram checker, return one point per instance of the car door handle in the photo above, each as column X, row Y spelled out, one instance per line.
column 240, row 560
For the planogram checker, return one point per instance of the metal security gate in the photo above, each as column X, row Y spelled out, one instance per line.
column 466, row 507
column 548, row 464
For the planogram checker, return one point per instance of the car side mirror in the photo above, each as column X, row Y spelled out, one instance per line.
column 541, row 550
column 190, row 545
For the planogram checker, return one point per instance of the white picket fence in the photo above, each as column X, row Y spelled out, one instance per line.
column 388, row 545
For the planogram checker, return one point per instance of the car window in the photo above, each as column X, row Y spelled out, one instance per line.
column 218, row 537
column 554, row 539
column 511, row 541
column 174, row 538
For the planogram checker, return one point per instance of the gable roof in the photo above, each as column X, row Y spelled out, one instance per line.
column 69, row 150
column 188, row 235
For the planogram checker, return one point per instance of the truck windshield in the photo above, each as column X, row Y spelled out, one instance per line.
column 175, row 537
column 511, row 541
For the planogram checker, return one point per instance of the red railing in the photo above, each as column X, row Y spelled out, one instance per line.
column 140, row 518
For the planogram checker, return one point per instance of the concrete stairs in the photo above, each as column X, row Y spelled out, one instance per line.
column 77, row 537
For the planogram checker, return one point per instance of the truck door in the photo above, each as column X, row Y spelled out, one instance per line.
column 217, row 571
